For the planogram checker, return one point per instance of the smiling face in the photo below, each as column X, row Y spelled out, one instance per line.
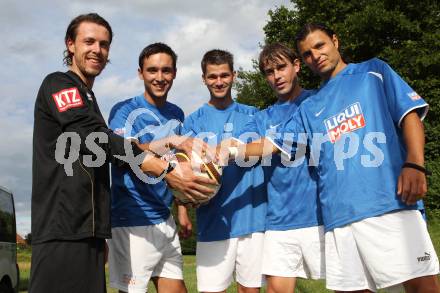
column 281, row 74
column 320, row 53
column 90, row 50
column 219, row 80
column 158, row 74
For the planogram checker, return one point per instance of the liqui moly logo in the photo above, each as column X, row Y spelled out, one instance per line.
column 348, row 120
column 67, row 98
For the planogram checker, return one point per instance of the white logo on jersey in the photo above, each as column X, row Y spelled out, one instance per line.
column 348, row 120
column 67, row 98
column 274, row 126
column 319, row 112
column 376, row 74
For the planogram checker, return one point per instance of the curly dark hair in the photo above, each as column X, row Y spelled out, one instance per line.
column 72, row 31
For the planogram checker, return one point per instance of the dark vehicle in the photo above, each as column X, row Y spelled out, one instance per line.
column 9, row 273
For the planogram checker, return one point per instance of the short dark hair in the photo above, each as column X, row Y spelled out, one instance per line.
column 217, row 57
column 309, row 28
column 155, row 49
column 72, row 31
column 274, row 52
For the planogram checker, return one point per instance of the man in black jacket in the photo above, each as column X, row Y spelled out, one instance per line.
column 72, row 147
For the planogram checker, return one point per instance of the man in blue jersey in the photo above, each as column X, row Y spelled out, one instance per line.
column 367, row 142
column 145, row 244
column 294, row 239
column 231, row 225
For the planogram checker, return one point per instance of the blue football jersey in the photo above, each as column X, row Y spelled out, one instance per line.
column 134, row 202
column 353, row 128
column 239, row 208
column 291, row 185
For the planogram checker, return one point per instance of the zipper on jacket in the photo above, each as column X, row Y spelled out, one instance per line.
column 93, row 198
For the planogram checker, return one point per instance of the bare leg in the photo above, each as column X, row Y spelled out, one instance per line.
column 277, row 284
column 243, row 289
column 166, row 285
column 426, row 284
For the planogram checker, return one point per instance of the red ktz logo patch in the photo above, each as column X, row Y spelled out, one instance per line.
column 67, row 98
column 348, row 120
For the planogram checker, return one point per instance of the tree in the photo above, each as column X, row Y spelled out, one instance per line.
column 253, row 89
column 28, row 238
column 406, row 34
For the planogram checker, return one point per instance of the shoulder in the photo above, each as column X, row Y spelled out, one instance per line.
column 246, row 109
column 56, row 76
column 198, row 114
column 56, row 81
column 265, row 112
column 373, row 64
column 176, row 109
column 307, row 93
column 122, row 108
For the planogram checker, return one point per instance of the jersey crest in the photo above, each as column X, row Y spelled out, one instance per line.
column 67, row 99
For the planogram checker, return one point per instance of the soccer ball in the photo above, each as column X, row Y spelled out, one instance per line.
column 208, row 170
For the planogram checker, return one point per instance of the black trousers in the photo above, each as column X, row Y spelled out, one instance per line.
column 62, row 266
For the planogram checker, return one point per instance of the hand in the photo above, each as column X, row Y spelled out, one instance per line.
column 188, row 145
column 411, row 185
column 222, row 155
column 185, row 229
column 192, row 188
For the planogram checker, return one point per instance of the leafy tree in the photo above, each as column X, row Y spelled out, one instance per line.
column 253, row 89
column 406, row 34
column 28, row 238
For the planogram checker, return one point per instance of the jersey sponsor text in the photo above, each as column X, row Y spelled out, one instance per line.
column 67, row 98
column 348, row 120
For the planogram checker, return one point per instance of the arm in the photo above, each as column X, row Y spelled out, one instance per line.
column 185, row 144
column 185, row 224
column 260, row 148
column 411, row 185
column 182, row 178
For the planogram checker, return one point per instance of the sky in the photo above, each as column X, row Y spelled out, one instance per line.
column 32, row 46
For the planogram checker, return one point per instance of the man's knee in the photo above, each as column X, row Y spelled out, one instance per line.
column 243, row 289
column 426, row 284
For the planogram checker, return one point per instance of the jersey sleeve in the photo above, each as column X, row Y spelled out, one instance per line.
column 71, row 107
column 401, row 98
column 250, row 129
column 181, row 119
column 118, row 121
column 291, row 135
column 188, row 127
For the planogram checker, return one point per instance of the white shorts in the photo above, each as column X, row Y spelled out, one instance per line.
column 139, row 253
column 379, row 252
column 217, row 261
column 295, row 253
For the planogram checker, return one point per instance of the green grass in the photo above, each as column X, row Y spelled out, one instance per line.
column 189, row 270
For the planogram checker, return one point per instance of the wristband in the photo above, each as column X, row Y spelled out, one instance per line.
column 168, row 169
column 233, row 152
column 417, row 167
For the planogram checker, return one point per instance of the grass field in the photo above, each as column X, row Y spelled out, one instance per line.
column 304, row 286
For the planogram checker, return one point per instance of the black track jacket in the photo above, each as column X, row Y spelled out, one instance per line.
column 78, row 206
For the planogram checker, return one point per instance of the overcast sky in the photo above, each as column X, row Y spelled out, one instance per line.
column 32, row 46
